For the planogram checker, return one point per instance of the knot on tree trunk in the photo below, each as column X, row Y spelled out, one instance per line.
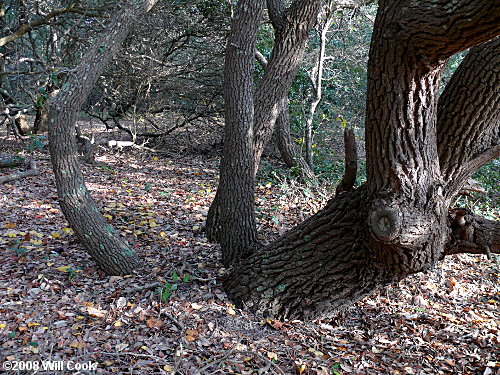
column 385, row 223
column 403, row 234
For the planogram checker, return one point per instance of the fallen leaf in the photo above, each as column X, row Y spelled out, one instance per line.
column 154, row 323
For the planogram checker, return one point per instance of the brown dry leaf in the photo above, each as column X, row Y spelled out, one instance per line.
column 154, row 323
column 77, row 344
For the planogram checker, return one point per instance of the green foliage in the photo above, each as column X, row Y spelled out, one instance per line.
column 487, row 205
column 172, row 285
column 37, row 142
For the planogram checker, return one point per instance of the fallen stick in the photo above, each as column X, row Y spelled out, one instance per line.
column 33, row 170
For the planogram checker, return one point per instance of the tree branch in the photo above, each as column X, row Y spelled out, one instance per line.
column 33, row 170
column 469, row 133
column 23, row 29
column 351, row 162
column 449, row 27
column 276, row 10
column 473, row 234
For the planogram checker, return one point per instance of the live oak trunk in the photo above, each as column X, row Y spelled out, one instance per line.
column 250, row 117
column 231, row 218
column 109, row 251
column 419, row 154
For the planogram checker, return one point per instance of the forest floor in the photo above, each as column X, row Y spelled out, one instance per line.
column 176, row 319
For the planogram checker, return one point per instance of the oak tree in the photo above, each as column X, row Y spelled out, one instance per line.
column 107, row 248
column 420, row 150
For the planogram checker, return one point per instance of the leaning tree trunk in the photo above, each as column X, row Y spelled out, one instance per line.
column 231, row 218
column 109, row 251
column 398, row 223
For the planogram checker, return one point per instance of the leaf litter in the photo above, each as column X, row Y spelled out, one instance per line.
column 176, row 319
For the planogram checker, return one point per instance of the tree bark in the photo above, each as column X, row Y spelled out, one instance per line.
column 398, row 223
column 292, row 26
column 105, row 246
column 469, row 131
column 231, row 217
column 287, row 147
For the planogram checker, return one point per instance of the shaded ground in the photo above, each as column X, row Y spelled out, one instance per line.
column 54, row 303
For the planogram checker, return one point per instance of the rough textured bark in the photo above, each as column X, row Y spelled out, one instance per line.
column 105, row 246
column 351, row 162
column 286, row 146
column 398, row 223
column 469, row 131
column 292, row 26
column 231, row 218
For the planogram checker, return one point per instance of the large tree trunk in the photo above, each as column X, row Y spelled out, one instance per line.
column 109, row 251
column 398, row 223
column 231, row 218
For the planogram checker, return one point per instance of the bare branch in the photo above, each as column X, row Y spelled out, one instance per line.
column 23, row 29
column 351, row 162
column 33, row 170
column 449, row 27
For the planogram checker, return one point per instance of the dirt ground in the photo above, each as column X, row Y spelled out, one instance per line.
column 174, row 318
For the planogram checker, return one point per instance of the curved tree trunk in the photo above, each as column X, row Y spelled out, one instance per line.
column 292, row 27
column 105, row 246
column 398, row 223
column 287, row 148
column 231, row 218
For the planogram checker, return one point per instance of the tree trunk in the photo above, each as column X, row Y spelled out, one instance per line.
column 105, row 246
column 292, row 26
column 398, row 223
column 287, row 148
column 231, row 217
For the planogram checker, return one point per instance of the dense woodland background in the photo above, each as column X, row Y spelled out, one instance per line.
column 150, row 137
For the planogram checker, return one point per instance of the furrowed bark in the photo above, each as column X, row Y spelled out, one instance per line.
column 292, row 28
column 398, row 223
column 99, row 238
column 231, row 217
column 469, row 129
column 314, row 270
column 351, row 162
column 286, row 146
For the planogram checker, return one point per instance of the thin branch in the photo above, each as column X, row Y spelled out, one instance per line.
column 23, row 29
column 33, row 170
column 473, row 234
